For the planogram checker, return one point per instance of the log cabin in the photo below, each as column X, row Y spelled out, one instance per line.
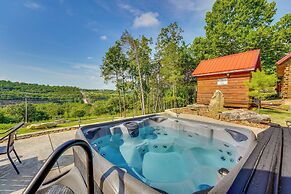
column 227, row 74
column 284, row 76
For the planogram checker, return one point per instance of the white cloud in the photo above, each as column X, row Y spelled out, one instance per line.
column 33, row 5
column 192, row 5
column 130, row 9
column 142, row 19
column 147, row 19
column 89, row 58
column 103, row 37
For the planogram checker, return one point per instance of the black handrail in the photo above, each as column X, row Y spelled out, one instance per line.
column 11, row 130
column 47, row 166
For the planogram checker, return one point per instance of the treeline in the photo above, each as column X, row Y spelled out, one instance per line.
column 148, row 81
column 96, row 95
column 53, row 102
column 40, row 112
column 153, row 75
column 16, row 91
column 35, row 92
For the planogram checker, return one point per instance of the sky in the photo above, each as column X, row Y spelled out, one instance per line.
column 62, row 42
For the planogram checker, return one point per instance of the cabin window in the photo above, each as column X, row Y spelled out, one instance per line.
column 222, row 81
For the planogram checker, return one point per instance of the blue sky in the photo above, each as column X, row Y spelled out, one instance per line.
column 62, row 42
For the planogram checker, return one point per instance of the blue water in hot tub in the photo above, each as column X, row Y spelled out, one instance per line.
column 169, row 160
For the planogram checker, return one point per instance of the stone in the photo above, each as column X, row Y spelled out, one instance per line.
column 216, row 101
column 42, row 125
column 245, row 115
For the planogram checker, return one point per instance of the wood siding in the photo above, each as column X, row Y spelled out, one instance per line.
column 235, row 92
column 284, row 73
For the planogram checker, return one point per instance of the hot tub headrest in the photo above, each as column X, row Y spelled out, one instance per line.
column 158, row 119
column 97, row 132
column 132, row 128
column 91, row 132
column 237, row 136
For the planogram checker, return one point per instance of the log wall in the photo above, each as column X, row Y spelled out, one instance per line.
column 286, row 79
column 235, row 92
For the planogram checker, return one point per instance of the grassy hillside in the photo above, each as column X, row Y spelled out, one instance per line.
column 52, row 102
column 12, row 92
column 97, row 95
column 35, row 92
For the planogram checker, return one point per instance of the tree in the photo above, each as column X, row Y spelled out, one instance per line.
column 169, row 57
column 78, row 112
column 39, row 115
column 235, row 26
column 114, row 66
column 2, row 118
column 262, row 86
column 112, row 105
column 281, row 39
column 134, row 44
column 18, row 111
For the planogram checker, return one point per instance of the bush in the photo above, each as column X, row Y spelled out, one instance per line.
column 77, row 112
column 99, row 107
column 262, row 86
column 2, row 117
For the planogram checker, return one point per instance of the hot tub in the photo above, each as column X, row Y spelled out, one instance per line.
column 156, row 153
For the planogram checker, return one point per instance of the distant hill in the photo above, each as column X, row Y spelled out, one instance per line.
column 14, row 92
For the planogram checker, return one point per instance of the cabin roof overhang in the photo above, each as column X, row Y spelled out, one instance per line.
column 281, row 61
column 236, row 63
column 226, row 72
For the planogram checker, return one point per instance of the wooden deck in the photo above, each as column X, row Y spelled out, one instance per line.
column 268, row 169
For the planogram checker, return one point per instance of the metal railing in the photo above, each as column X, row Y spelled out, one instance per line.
column 38, row 179
column 11, row 130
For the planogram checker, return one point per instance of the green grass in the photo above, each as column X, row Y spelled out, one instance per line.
column 4, row 127
column 277, row 116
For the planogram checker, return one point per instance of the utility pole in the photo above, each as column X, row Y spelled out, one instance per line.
column 25, row 110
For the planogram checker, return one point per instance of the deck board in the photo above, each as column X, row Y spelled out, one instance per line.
column 286, row 162
column 268, row 169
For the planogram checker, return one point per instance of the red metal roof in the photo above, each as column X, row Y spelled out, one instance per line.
column 240, row 62
column 284, row 59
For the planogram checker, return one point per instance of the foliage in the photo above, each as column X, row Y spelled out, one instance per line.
column 40, row 112
column 17, row 91
column 104, row 101
column 281, row 39
column 262, row 85
column 235, row 26
column 175, row 66
column 149, row 84
column 77, row 112
column 114, row 68
column 2, row 117
column 139, row 54
column 99, row 95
